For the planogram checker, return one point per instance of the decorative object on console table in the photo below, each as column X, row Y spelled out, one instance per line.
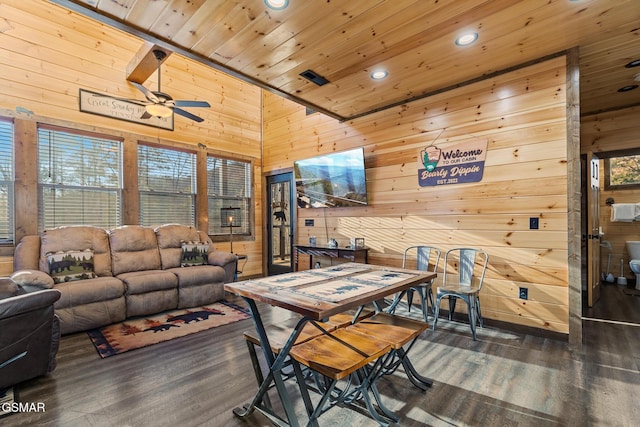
column 230, row 217
column 357, row 242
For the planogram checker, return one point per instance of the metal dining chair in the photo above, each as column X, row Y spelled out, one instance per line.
column 427, row 259
column 470, row 263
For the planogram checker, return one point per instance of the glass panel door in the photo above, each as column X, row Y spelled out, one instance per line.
column 279, row 223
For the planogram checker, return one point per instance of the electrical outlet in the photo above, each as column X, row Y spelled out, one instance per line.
column 524, row 293
column 534, row 223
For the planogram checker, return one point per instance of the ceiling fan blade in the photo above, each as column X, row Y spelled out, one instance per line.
column 147, row 93
column 188, row 115
column 191, row 103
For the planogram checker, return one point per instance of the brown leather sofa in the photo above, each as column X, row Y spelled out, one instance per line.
column 29, row 333
column 124, row 272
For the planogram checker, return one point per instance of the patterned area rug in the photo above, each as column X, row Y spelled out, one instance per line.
column 144, row 331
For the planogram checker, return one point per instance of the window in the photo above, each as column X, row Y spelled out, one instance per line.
column 166, row 181
column 229, row 186
column 622, row 170
column 6, row 182
column 79, row 179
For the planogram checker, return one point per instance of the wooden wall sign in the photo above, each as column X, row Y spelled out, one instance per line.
column 121, row 109
column 455, row 164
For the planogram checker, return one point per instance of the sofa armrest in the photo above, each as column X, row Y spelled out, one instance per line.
column 27, row 253
column 31, row 280
column 226, row 260
column 13, row 306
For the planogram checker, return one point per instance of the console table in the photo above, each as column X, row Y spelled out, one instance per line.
column 349, row 254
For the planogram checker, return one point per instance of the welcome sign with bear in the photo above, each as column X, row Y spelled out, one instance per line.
column 455, row 164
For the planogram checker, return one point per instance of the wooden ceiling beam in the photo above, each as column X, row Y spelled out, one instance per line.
column 145, row 63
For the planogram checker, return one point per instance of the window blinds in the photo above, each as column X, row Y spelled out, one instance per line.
column 228, row 185
column 79, row 179
column 166, row 182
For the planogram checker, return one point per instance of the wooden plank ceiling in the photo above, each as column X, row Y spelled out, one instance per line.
column 344, row 41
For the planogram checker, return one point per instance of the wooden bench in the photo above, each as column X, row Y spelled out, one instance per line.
column 279, row 334
column 398, row 332
column 341, row 354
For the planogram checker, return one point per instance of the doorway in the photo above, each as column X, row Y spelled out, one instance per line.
column 279, row 224
column 605, row 297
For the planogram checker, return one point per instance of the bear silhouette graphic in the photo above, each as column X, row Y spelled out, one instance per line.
column 194, row 316
column 60, row 266
column 161, row 328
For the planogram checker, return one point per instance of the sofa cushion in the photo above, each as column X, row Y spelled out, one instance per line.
column 88, row 291
column 77, row 238
column 194, row 253
column 140, row 282
column 71, row 265
column 198, row 275
column 133, row 248
column 35, row 278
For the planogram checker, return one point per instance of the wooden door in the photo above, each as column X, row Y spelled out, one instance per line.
column 593, row 231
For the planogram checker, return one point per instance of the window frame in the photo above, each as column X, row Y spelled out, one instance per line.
column 606, row 157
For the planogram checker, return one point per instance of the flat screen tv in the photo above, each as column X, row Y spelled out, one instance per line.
column 332, row 180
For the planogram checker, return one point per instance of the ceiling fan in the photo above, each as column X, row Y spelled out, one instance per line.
column 161, row 104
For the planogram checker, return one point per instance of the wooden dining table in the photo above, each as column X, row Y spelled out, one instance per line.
column 316, row 295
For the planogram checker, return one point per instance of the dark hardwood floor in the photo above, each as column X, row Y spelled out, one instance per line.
column 504, row 378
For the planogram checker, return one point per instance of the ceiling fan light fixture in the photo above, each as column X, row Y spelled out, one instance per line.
column 276, row 4
column 159, row 110
column 466, row 39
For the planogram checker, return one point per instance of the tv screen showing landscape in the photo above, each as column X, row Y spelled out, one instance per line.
column 332, row 180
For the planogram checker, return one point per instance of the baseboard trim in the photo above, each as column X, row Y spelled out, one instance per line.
column 511, row 327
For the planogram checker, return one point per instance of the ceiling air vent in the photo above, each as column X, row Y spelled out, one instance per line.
column 314, row 77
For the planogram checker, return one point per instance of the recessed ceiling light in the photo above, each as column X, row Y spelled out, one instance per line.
column 627, row 88
column 379, row 74
column 276, row 4
column 466, row 39
column 635, row 63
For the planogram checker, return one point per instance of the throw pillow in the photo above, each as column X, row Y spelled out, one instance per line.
column 71, row 265
column 35, row 278
column 194, row 253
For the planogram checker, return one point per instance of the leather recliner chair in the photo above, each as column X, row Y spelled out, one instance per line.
column 29, row 333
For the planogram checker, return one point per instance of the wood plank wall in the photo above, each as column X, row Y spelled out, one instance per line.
column 48, row 53
column 522, row 115
column 602, row 133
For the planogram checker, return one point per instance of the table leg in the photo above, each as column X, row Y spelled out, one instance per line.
column 392, row 308
column 275, row 373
